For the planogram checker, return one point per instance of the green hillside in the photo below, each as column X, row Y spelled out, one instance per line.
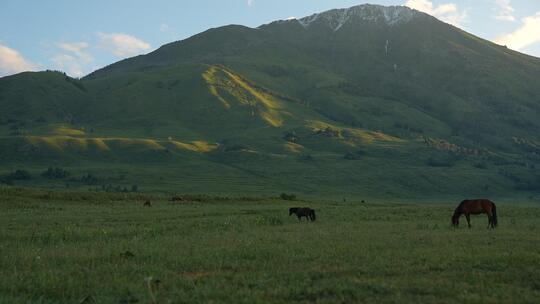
column 368, row 101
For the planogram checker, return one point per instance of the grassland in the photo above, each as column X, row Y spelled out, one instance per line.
column 88, row 247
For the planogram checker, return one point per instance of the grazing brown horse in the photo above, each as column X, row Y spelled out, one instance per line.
column 147, row 204
column 476, row 206
column 308, row 213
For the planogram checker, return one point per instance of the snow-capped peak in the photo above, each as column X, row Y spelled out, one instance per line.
column 336, row 18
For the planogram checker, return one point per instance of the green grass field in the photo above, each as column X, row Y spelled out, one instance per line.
column 86, row 247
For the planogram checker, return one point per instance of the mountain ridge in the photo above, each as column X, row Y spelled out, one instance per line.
column 336, row 18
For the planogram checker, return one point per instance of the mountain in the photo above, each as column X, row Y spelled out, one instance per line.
column 364, row 101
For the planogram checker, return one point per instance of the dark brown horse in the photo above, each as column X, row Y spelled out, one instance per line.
column 477, row 206
column 308, row 213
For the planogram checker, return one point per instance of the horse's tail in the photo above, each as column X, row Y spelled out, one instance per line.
column 313, row 217
column 494, row 214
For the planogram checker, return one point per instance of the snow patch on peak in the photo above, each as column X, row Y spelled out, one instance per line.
column 391, row 15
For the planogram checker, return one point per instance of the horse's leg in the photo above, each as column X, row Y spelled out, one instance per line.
column 468, row 217
column 488, row 211
column 492, row 215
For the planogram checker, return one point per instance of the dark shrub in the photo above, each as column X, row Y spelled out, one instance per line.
column 19, row 175
column 480, row 165
column 8, row 179
column 55, row 173
column 439, row 162
column 305, row 157
column 291, row 137
column 287, row 197
column 89, row 179
column 357, row 155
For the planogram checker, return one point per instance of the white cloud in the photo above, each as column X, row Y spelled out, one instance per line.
column 421, row 5
column 68, row 64
column 164, row 28
column 447, row 12
column 74, row 60
column 168, row 32
column 505, row 10
column 73, row 46
column 250, row 2
column 77, row 48
column 122, row 45
column 11, row 62
column 526, row 35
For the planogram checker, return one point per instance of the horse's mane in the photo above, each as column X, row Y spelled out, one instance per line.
column 460, row 206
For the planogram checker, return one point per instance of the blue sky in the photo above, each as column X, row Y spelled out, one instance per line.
column 78, row 36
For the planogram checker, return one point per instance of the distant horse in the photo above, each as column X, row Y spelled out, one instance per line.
column 147, row 204
column 308, row 213
column 478, row 206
